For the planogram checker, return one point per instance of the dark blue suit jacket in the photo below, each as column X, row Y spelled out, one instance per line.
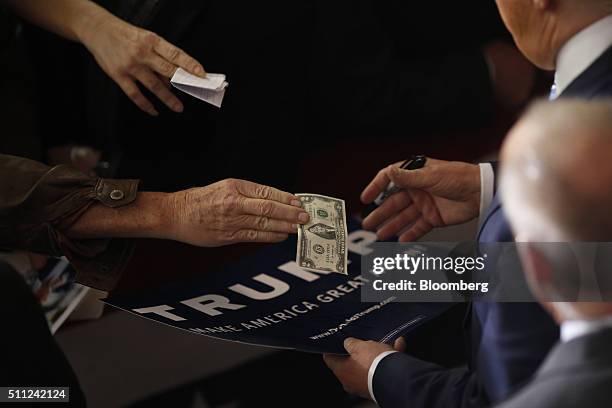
column 508, row 341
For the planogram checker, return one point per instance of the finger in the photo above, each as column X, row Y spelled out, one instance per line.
column 274, row 210
column 419, row 178
column 269, row 224
column 401, row 221
column 333, row 361
column 376, row 186
column 255, row 190
column 165, row 81
column 157, row 87
column 391, row 207
column 400, row 344
column 178, row 57
column 249, row 235
column 161, row 66
column 351, row 345
column 130, row 89
column 331, row 358
column 416, row 231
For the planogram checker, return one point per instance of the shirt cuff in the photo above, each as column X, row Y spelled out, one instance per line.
column 487, row 188
column 372, row 370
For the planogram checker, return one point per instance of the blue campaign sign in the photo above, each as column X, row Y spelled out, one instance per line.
column 266, row 299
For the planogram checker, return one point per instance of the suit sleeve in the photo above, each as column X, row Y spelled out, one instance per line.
column 495, row 167
column 401, row 380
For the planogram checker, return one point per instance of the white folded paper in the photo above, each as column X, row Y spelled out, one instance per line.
column 210, row 89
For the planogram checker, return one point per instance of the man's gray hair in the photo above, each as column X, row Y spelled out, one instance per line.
column 561, row 142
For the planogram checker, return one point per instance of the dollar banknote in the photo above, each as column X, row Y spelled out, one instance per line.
column 321, row 243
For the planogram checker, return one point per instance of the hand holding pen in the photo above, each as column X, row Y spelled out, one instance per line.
column 415, row 162
column 419, row 195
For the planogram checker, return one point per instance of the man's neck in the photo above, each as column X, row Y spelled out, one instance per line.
column 575, row 328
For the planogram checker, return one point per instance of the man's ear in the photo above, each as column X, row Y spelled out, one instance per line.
column 537, row 268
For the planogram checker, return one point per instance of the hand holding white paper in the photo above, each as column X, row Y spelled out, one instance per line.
column 210, row 89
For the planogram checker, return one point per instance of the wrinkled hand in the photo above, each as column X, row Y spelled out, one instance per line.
column 129, row 54
column 232, row 211
column 352, row 370
column 440, row 194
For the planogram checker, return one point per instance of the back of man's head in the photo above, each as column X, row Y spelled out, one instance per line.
column 557, row 171
column 556, row 186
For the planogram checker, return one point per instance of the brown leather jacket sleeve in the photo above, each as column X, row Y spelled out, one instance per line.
column 38, row 203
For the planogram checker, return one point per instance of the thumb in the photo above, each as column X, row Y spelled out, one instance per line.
column 400, row 344
column 351, row 344
column 420, row 178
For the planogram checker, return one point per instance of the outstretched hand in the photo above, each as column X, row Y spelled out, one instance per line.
column 232, row 211
column 440, row 194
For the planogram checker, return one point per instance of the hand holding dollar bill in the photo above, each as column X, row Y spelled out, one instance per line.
column 321, row 243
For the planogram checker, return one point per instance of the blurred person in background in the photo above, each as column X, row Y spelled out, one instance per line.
column 548, row 201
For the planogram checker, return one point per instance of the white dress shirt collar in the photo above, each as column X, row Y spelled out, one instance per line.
column 572, row 329
column 581, row 51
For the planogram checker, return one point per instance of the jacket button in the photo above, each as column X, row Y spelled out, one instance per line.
column 117, row 195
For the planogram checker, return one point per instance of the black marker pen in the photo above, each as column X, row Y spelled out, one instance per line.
column 414, row 163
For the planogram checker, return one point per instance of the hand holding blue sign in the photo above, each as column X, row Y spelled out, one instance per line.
column 440, row 194
column 352, row 370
